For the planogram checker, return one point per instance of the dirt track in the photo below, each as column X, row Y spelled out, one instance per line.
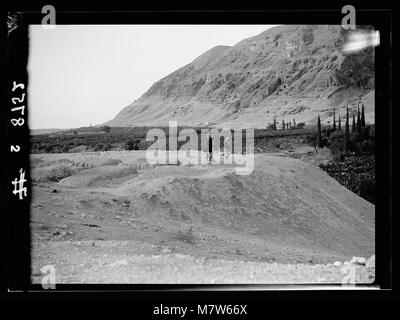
column 134, row 262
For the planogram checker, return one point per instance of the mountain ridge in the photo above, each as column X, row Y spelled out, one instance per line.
column 285, row 72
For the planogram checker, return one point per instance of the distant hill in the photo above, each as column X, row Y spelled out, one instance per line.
column 45, row 131
column 285, row 72
column 80, row 130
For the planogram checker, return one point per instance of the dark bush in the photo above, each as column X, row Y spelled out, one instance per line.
column 99, row 147
column 132, row 144
column 313, row 137
column 65, row 148
column 106, row 129
column 356, row 174
column 335, row 144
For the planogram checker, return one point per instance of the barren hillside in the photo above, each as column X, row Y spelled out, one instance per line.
column 285, row 72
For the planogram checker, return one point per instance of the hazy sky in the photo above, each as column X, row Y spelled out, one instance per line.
column 82, row 75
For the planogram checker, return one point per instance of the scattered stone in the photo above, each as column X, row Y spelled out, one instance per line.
column 371, row 262
column 54, row 191
column 122, row 262
column 201, row 260
column 90, row 225
column 166, row 250
column 358, row 261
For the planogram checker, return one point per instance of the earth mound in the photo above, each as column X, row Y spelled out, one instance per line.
column 284, row 201
column 100, row 176
column 283, row 204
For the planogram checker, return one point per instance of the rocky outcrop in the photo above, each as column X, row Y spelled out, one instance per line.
column 261, row 78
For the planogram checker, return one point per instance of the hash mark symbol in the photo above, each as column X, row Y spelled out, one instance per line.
column 20, row 184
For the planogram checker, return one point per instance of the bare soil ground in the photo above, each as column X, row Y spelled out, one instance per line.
column 127, row 222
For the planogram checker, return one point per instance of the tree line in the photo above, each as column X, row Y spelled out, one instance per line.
column 355, row 138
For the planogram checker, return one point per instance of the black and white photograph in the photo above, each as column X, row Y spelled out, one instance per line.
column 202, row 154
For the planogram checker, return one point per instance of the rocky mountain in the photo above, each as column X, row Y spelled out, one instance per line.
column 286, row 72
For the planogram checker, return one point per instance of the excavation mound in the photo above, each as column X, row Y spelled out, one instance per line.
column 106, row 176
column 283, row 201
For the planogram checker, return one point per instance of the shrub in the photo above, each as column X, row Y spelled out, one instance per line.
column 361, row 143
column 65, row 148
column 312, row 140
column 106, row 129
column 59, row 172
column 335, row 144
column 48, row 148
column 129, row 145
column 356, row 174
column 186, row 236
column 80, row 148
column 132, row 144
column 98, row 147
column 368, row 147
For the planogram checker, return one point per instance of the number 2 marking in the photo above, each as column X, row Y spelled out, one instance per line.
column 15, row 148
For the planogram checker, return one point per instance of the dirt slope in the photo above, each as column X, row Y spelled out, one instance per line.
column 284, row 203
column 285, row 72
